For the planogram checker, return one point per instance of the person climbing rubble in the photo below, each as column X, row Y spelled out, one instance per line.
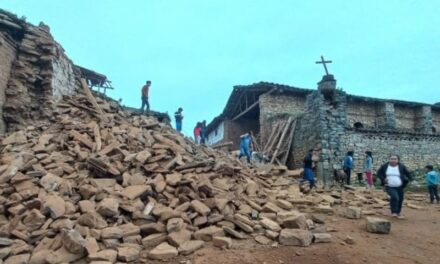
column 245, row 146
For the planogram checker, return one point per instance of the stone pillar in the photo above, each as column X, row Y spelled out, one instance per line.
column 327, row 86
column 424, row 119
column 388, row 117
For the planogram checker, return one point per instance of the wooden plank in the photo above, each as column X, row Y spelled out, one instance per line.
column 97, row 134
column 272, row 133
column 91, row 98
column 275, row 138
column 280, row 142
column 290, row 142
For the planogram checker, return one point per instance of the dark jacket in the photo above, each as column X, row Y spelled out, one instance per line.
column 308, row 161
column 405, row 175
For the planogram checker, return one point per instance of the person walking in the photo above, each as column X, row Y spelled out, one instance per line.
column 348, row 166
column 308, row 169
column 197, row 132
column 395, row 177
column 245, row 145
column 368, row 169
column 178, row 116
column 144, row 97
column 432, row 180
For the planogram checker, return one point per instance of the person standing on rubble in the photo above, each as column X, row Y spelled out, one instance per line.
column 198, row 132
column 348, row 166
column 308, row 169
column 144, row 96
column 395, row 177
column 178, row 116
column 203, row 133
column 368, row 169
column 245, row 147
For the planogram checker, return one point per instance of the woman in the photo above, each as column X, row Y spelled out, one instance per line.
column 395, row 177
column 368, row 167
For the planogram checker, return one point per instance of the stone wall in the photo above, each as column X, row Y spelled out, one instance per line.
column 8, row 53
column 405, row 117
column 365, row 113
column 415, row 150
column 436, row 119
column 38, row 71
column 274, row 106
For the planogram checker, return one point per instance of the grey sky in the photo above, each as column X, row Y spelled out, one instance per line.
column 195, row 51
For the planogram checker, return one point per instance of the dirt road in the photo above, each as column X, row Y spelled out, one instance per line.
column 415, row 239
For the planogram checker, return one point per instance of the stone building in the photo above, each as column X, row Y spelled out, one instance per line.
column 333, row 122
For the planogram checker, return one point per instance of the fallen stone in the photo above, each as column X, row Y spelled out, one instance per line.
column 104, row 255
column 128, row 254
column 178, row 238
column 295, row 237
column 111, row 232
column 349, row 240
column 378, row 225
column 207, row 234
column 222, row 242
column 92, row 220
column 163, row 252
column 135, row 191
column 190, row 246
column 174, row 225
column 5, row 241
column 200, row 207
column 154, row 239
column 18, row 259
column 322, row 238
column 269, row 224
column 73, row 241
column 298, row 221
column 353, row 212
column 108, row 207
column 54, row 206
column 263, row 240
column 235, row 234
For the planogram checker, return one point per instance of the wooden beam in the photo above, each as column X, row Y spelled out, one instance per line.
column 274, row 156
column 252, row 105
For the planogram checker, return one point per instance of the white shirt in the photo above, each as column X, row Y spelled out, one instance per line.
column 393, row 176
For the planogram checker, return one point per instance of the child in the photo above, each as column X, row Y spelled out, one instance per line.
column 432, row 179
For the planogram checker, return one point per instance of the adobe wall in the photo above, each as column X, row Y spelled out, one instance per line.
column 8, row 52
column 405, row 117
column 234, row 129
column 36, row 73
column 366, row 113
column 273, row 106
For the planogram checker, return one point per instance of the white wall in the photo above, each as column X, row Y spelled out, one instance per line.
column 217, row 134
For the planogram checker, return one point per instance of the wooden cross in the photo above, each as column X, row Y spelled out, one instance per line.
column 323, row 62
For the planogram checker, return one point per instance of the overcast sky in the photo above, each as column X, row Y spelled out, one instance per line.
column 195, row 51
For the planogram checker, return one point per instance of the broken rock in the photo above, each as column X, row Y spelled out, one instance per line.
column 295, row 237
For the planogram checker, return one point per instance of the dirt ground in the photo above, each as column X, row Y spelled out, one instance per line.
column 415, row 239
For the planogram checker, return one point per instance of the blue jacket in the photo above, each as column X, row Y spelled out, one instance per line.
column 245, row 141
column 348, row 162
column 432, row 178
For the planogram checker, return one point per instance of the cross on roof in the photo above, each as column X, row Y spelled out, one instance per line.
column 323, row 62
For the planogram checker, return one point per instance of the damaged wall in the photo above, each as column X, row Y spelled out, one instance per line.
column 36, row 74
column 8, row 52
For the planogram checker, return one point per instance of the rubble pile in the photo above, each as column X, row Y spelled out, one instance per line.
column 96, row 183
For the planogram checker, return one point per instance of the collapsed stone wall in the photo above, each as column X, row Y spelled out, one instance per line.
column 36, row 74
column 8, row 51
column 416, row 151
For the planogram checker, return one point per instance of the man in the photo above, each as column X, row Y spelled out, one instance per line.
column 179, row 117
column 245, row 145
column 203, row 133
column 144, row 97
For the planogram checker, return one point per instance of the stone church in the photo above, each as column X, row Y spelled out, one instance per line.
column 333, row 122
